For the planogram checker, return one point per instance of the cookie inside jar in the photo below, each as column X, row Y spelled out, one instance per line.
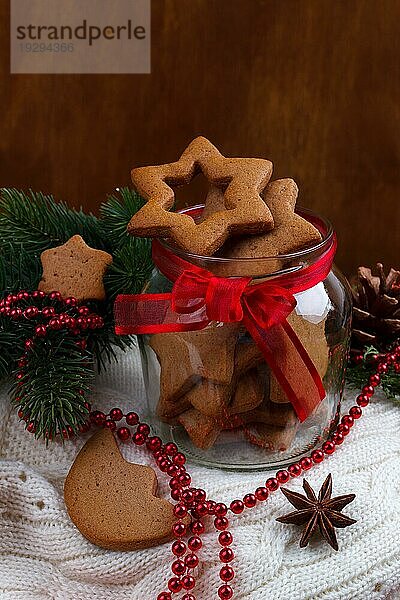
column 247, row 368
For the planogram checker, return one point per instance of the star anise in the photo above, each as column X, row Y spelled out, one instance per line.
column 322, row 512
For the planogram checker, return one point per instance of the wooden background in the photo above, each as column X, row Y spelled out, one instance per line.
column 311, row 84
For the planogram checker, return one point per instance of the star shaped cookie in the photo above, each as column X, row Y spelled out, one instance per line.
column 291, row 232
column 188, row 357
column 75, row 269
column 241, row 181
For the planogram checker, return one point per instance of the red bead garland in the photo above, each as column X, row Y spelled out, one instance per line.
column 169, row 460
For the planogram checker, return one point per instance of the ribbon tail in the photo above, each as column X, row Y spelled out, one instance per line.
column 153, row 313
column 290, row 363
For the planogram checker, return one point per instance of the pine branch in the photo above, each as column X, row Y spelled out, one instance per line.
column 131, row 268
column 357, row 375
column 37, row 222
column 116, row 214
column 55, row 381
column 19, row 270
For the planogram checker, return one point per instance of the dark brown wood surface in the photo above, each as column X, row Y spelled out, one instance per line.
column 313, row 85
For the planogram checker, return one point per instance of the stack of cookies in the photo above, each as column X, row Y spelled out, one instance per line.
column 216, row 379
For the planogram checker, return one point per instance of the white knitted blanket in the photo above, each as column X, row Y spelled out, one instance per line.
column 43, row 556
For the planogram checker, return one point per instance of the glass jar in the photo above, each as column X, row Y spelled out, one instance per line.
column 212, row 391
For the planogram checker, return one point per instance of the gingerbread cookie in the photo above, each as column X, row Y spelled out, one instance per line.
column 112, row 502
column 291, row 233
column 189, row 356
column 75, row 269
column 202, row 430
column 275, row 438
column 240, row 179
column 313, row 338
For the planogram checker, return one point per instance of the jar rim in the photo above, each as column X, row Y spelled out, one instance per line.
column 323, row 225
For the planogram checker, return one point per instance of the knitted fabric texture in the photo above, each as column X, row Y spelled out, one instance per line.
column 43, row 556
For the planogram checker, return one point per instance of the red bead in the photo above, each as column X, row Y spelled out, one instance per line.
column 202, row 509
column 179, row 529
column 191, row 561
column 132, row 418
column 116, row 414
column 261, row 493
column 185, row 479
column 200, row 495
column 197, row 527
column 226, row 555
column 249, row 500
column 188, row 582
column 272, row 484
column 143, row 428
column 180, row 511
column 374, row 380
column 226, row 573
column 154, row 443
column 368, row 390
column 98, row 418
column 138, row 439
column 31, row 427
column 164, row 596
column 187, row 496
column 211, row 507
column 15, row 314
column 397, row 368
column 172, row 470
column 48, row 312
column 174, row 584
column 282, row 476
column 221, row 523
column 178, row 567
column 176, row 494
column 71, row 301
column 328, row 447
column 29, row 343
column 83, row 310
column 55, row 295
column 382, row 368
column 194, row 543
column 355, row 412
column 82, row 323
column 55, row 324
column 178, row 548
column 237, row 507
column 31, row 312
column 22, row 295
column 174, row 483
column 225, row 538
column 362, row 400
column 343, row 429
column 179, row 459
column 220, row 509
column 188, row 597
column 338, row 438
column 225, row 592
column 171, row 449
column 123, row 433
column 347, row 420
column 110, row 425
column 294, row 470
column 306, row 463
column 20, row 414
column 317, row 456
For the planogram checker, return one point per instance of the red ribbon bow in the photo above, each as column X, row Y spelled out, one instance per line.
column 199, row 297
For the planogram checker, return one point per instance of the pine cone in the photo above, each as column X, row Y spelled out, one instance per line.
column 376, row 308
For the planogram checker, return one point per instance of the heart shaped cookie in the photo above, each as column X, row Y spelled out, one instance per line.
column 112, row 502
